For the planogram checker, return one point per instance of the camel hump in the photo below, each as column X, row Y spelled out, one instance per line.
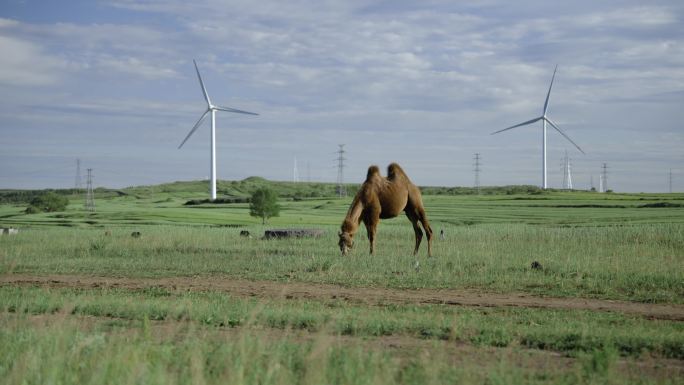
column 373, row 171
column 394, row 171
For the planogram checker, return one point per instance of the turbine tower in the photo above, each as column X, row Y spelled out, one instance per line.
column 545, row 119
column 211, row 109
column 566, row 168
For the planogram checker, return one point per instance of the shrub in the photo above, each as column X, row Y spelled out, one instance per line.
column 32, row 210
column 47, row 202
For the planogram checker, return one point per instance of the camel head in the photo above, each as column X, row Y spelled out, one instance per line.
column 346, row 242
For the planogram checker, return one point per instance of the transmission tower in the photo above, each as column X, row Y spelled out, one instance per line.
column 670, row 180
column 341, row 190
column 567, row 172
column 604, row 176
column 77, row 184
column 90, row 195
column 295, row 173
column 476, row 168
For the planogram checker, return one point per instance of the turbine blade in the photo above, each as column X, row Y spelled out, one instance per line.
column 546, row 102
column 518, row 125
column 565, row 136
column 199, row 122
column 228, row 109
column 204, row 90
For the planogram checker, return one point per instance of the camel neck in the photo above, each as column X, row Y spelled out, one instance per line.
column 353, row 218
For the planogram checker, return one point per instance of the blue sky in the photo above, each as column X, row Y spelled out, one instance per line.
column 421, row 83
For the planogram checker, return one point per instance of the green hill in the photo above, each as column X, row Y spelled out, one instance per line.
column 306, row 204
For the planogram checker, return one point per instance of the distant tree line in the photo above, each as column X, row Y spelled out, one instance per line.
column 195, row 202
column 485, row 190
column 26, row 196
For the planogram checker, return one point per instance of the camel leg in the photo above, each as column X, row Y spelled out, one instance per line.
column 419, row 233
column 370, row 230
column 428, row 230
column 371, row 221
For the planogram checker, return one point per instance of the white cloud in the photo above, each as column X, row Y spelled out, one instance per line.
column 24, row 63
column 641, row 16
column 134, row 66
column 4, row 23
column 112, row 38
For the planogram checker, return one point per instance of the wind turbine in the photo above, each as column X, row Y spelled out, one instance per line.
column 211, row 108
column 545, row 119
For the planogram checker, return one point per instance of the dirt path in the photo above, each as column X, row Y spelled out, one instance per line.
column 371, row 296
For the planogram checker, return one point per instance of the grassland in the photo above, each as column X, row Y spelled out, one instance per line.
column 636, row 263
column 597, row 247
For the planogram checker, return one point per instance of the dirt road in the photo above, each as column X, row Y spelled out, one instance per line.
column 371, row 296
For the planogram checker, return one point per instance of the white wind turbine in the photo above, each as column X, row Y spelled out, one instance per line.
column 211, row 108
column 545, row 119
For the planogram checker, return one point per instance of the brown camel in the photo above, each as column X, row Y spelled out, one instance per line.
column 382, row 198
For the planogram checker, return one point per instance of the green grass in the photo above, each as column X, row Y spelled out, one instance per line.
column 568, row 331
column 638, row 263
column 67, row 351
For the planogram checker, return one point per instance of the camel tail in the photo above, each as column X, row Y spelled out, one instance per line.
column 372, row 172
column 394, row 171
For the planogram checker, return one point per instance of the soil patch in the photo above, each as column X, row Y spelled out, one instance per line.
column 370, row 296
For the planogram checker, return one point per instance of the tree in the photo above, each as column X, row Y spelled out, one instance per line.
column 264, row 204
column 47, row 202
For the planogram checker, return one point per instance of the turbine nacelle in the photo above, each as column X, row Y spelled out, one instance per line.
column 210, row 107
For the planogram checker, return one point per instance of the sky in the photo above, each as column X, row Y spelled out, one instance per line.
column 424, row 84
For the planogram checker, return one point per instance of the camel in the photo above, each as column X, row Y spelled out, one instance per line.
column 383, row 198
